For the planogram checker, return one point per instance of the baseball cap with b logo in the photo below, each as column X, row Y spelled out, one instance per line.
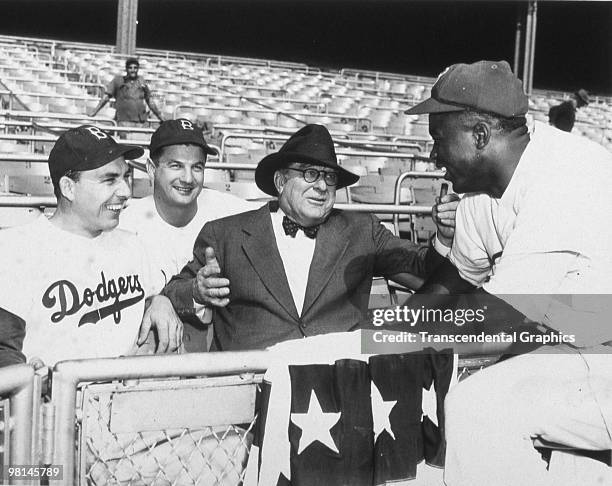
column 487, row 86
column 178, row 132
column 86, row 148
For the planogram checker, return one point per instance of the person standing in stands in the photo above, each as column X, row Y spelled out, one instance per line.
column 132, row 96
column 169, row 220
column 74, row 286
column 563, row 116
column 298, row 267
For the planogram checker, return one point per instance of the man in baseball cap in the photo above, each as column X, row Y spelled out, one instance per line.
column 78, row 153
column 169, row 220
column 74, row 286
column 511, row 250
column 463, row 96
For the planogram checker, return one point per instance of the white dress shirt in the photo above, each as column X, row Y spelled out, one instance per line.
column 296, row 254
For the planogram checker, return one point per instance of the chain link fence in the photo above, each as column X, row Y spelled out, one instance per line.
column 169, row 446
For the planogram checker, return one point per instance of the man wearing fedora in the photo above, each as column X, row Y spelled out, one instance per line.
column 297, row 267
column 563, row 116
column 510, row 250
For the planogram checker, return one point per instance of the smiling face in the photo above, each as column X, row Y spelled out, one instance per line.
column 307, row 203
column 455, row 149
column 99, row 195
column 178, row 174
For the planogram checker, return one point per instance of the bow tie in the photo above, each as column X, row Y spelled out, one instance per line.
column 291, row 228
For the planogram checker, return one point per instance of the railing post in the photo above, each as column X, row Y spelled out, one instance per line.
column 64, row 393
column 18, row 382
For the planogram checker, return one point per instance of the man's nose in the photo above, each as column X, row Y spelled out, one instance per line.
column 320, row 184
column 124, row 190
column 187, row 176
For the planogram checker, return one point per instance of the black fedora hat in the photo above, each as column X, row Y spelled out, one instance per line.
column 311, row 144
column 582, row 96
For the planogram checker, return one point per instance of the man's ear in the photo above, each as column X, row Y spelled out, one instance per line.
column 67, row 187
column 279, row 181
column 482, row 134
column 151, row 170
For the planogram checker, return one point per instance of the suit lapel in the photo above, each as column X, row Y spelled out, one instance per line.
column 332, row 242
column 260, row 247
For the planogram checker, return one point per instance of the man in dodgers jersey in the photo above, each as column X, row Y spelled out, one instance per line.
column 168, row 221
column 76, row 286
column 529, row 231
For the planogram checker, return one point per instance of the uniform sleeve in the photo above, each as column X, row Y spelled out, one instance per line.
column 394, row 255
column 179, row 289
column 553, row 237
column 546, row 258
column 468, row 253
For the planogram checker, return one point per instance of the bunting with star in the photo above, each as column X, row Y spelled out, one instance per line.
column 333, row 416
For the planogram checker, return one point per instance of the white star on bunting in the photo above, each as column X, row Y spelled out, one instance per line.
column 315, row 425
column 380, row 412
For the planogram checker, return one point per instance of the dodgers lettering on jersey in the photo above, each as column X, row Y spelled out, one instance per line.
column 65, row 296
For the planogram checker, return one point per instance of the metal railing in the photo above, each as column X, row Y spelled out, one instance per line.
column 121, row 413
column 69, row 374
column 398, row 192
column 33, row 116
column 17, row 385
column 122, row 428
column 51, row 202
column 365, row 145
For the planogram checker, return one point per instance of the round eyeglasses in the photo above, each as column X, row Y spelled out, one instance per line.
column 313, row 175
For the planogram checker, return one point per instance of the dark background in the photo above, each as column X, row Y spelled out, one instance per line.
column 573, row 46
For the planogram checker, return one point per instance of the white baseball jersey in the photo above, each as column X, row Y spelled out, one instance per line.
column 79, row 297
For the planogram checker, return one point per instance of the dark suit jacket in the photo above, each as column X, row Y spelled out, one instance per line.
column 350, row 249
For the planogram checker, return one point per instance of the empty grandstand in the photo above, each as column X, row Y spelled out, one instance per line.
column 249, row 105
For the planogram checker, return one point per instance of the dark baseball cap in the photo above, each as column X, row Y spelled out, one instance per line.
column 86, row 148
column 131, row 60
column 487, row 86
column 178, row 132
